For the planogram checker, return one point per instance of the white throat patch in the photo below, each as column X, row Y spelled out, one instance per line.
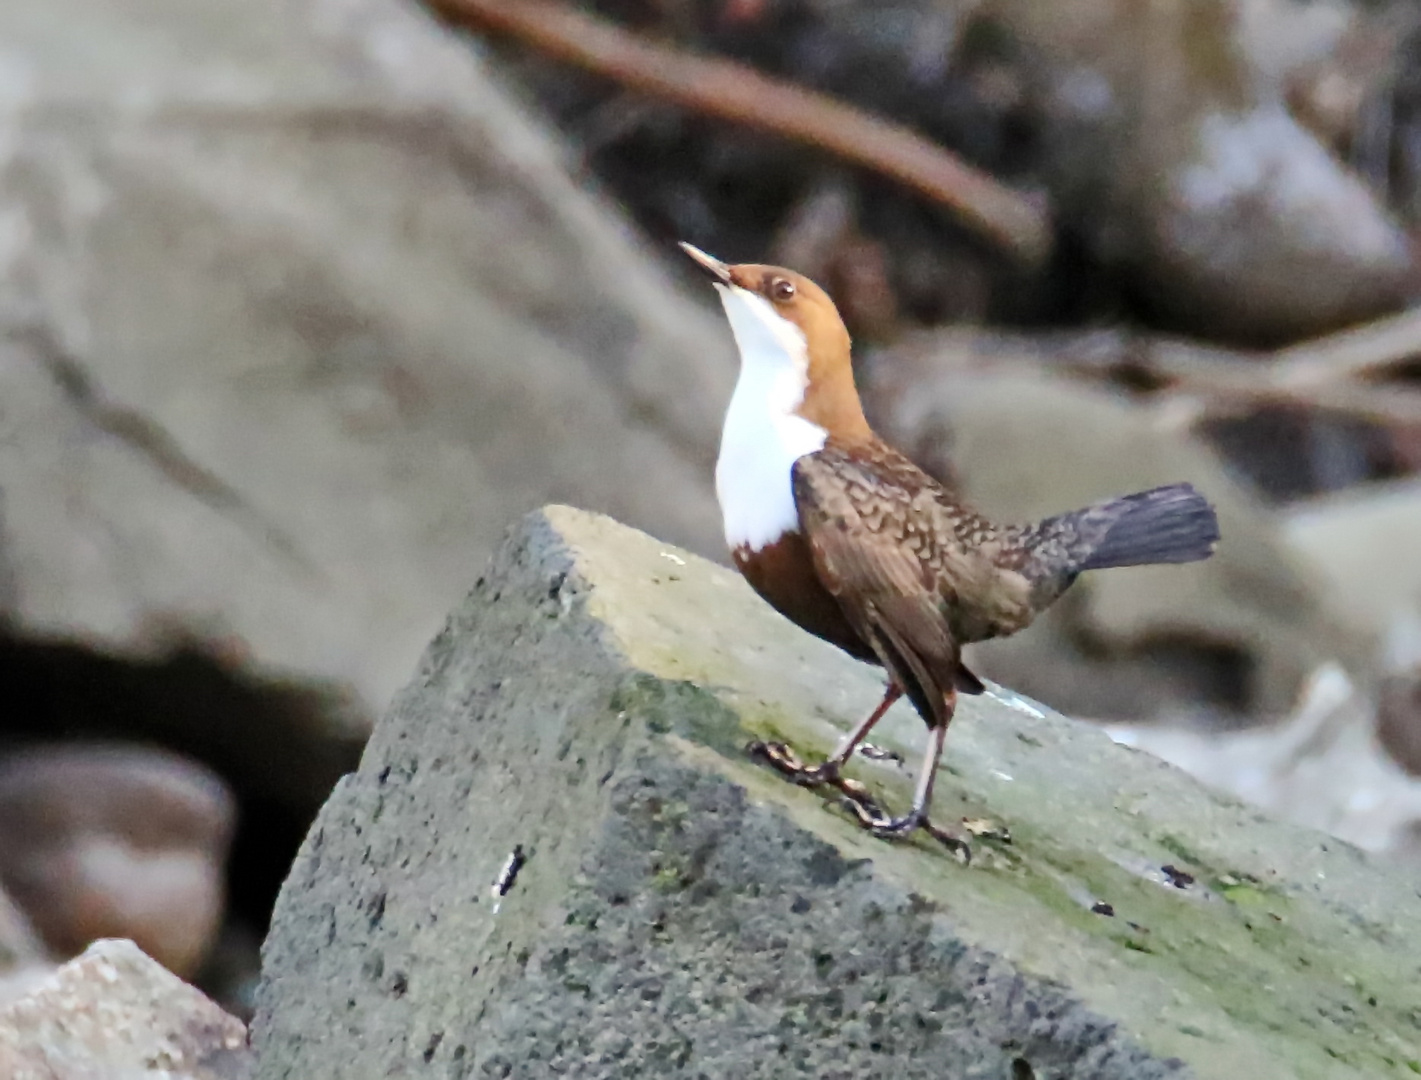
column 762, row 437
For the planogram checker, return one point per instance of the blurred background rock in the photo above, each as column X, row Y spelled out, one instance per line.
column 303, row 302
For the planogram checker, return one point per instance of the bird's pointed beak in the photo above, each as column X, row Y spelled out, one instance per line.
column 716, row 270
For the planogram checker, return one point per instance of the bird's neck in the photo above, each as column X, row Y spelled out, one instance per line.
column 789, row 399
column 831, row 401
column 764, row 435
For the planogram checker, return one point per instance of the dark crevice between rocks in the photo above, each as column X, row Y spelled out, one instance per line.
column 1105, row 679
column 1288, row 452
column 1222, row 674
column 280, row 747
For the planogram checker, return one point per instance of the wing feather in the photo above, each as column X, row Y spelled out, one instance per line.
column 886, row 591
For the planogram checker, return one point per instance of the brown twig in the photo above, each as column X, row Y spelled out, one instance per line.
column 1184, row 405
column 1356, row 353
column 1329, row 372
column 1017, row 222
column 1196, row 382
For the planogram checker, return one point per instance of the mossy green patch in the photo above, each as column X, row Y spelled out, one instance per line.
column 1223, row 943
column 1210, row 933
column 1244, row 895
column 679, row 705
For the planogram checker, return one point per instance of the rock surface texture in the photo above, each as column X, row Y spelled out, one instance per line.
column 297, row 309
column 682, row 912
column 115, row 1014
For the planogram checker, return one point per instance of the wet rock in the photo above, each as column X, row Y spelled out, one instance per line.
column 1169, row 145
column 682, row 912
column 113, row 1012
column 299, row 308
column 109, row 841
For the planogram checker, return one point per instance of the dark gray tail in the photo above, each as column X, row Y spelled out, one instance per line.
column 1171, row 524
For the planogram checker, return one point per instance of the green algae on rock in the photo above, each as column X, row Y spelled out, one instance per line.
column 685, row 912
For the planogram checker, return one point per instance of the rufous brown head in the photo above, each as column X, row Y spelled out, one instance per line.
column 777, row 311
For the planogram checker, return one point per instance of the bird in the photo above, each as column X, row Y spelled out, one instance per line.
column 847, row 538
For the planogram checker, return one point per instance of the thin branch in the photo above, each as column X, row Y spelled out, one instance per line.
column 1017, row 222
column 1188, row 403
column 1326, row 373
column 1198, row 382
column 1336, row 365
column 1356, row 353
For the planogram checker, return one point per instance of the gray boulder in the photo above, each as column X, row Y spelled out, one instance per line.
column 683, row 913
column 115, row 1014
column 297, row 308
column 1167, row 141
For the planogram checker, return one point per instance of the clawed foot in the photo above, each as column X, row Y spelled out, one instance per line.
column 872, row 818
column 857, row 799
column 786, row 762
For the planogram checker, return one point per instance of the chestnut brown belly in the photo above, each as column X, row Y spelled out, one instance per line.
column 783, row 574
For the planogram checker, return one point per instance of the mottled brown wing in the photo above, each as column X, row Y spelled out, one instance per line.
column 887, row 592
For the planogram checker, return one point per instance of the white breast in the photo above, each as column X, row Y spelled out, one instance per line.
column 762, row 437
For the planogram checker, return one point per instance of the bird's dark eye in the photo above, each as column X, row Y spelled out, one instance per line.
column 781, row 289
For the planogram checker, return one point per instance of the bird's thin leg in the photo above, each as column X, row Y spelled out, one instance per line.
column 784, row 759
column 922, row 798
column 850, row 742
